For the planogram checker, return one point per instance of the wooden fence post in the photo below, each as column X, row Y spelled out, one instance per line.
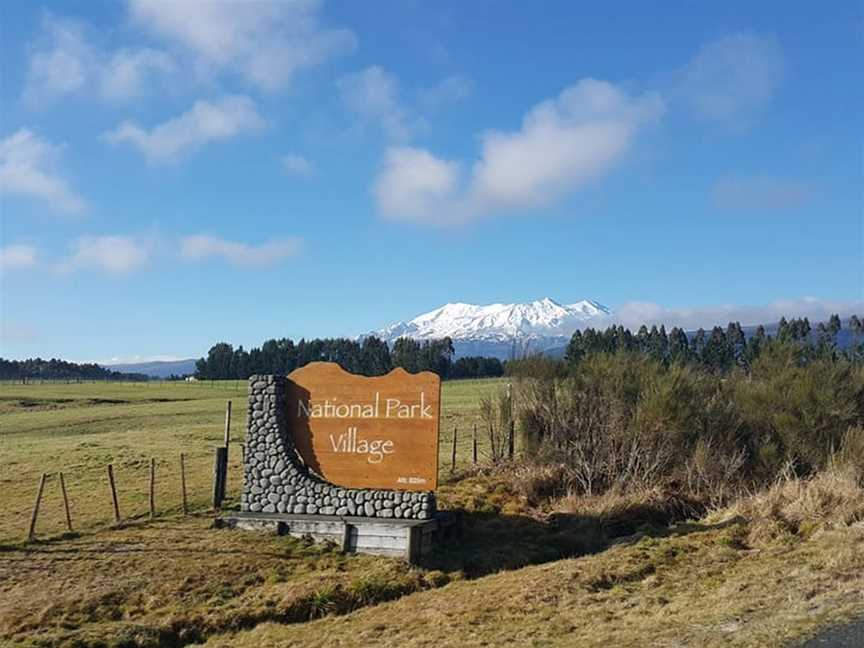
column 66, row 503
column 453, row 451
column 511, row 432
column 219, row 470
column 152, row 488
column 183, row 484
column 474, row 445
column 228, row 424
column 114, row 494
column 31, row 532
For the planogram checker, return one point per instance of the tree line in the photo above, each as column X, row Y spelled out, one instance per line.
column 54, row 369
column 721, row 349
column 369, row 357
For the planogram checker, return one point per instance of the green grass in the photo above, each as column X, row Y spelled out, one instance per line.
column 179, row 580
column 81, row 428
column 521, row 573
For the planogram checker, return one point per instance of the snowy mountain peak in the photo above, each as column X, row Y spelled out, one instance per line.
column 543, row 322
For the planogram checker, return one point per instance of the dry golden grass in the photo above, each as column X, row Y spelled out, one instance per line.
column 721, row 581
column 179, row 580
column 798, row 508
column 691, row 590
column 724, row 581
column 771, row 567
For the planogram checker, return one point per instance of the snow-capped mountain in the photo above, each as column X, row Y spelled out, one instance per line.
column 499, row 329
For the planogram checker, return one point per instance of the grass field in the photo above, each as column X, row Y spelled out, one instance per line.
column 519, row 575
column 81, row 428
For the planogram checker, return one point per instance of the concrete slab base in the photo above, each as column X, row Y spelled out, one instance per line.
column 406, row 539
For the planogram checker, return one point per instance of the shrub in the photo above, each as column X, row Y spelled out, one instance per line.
column 624, row 421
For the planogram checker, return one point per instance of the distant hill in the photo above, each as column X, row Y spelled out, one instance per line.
column 158, row 369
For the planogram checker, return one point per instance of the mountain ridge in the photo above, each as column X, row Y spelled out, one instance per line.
column 500, row 330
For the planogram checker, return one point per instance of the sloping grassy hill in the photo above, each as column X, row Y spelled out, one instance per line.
column 699, row 587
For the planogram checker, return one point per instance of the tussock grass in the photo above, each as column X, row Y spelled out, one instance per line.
column 719, row 581
column 795, row 509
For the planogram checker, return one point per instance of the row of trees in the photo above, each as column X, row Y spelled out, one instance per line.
column 369, row 357
column 54, row 369
column 719, row 350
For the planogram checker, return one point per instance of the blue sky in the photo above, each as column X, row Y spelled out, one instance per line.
column 175, row 174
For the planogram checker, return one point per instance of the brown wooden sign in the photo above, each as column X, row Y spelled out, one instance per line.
column 359, row 432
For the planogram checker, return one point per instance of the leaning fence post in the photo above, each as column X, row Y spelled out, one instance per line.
column 453, row 451
column 183, row 483
column 152, row 488
column 219, row 466
column 66, row 503
column 228, row 424
column 31, row 532
column 474, row 446
column 114, row 501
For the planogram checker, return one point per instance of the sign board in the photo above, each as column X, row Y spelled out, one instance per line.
column 366, row 432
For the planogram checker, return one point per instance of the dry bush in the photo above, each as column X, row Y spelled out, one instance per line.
column 851, row 453
column 496, row 413
column 796, row 508
column 625, row 512
column 539, row 483
column 624, row 422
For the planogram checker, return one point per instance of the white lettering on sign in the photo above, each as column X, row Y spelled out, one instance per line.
column 411, row 480
column 350, row 442
column 393, row 408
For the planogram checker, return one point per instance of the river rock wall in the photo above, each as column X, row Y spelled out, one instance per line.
column 277, row 481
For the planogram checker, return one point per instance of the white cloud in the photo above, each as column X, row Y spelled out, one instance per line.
column 415, row 185
column 113, row 254
column 732, row 78
column 265, row 43
column 376, row 97
column 65, row 61
column 760, row 194
column 126, row 73
column 563, row 144
column 373, row 94
column 203, row 123
column 17, row 256
column 447, row 90
column 203, row 246
column 634, row 314
column 27, row 167
column 297, row 164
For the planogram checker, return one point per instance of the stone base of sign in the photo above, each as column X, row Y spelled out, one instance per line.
column 277, row 482
column 407, row 539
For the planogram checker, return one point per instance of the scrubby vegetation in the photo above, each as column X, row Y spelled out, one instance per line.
column 627, row 422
